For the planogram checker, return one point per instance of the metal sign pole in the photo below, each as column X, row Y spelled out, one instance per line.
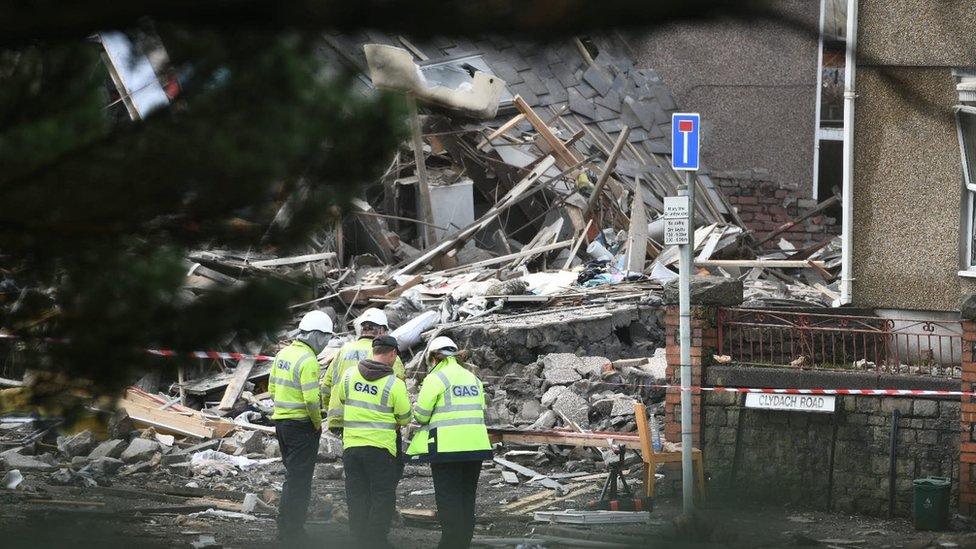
column 685, row 267
column 679, row 229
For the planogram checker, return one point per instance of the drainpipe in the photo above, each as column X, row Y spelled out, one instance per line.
column 847, row 206
column 816, row 109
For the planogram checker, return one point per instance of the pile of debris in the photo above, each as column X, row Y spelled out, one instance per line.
column 582, row 393
column 530, row 196
column 566, row 164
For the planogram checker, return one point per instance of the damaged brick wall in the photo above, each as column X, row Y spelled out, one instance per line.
column 765, row 204
column 967, row 426
column 704, row 341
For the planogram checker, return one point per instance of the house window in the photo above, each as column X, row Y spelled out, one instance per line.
column 966, row 128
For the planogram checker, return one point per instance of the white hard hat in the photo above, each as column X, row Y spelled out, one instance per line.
column 443, row 345
column 316, row 320
column 375, row 316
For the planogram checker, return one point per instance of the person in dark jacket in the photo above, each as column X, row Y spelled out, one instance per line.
column 370, row 403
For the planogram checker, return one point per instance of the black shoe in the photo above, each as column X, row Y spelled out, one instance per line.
column 294, row 538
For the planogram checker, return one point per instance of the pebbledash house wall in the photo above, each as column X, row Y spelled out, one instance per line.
column 755, row 85
column 839, row 461
column 907, row 167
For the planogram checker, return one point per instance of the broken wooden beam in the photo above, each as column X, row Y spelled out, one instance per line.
column 501, row 130
column 636, row 234
column 423, row 186
column 576, row 246
column 564, row 155
column 524, row 254
column 607, row 170
column 525, row 471
column 294, row 260
column 766, row 263
column 565, row 438
column 233, row 390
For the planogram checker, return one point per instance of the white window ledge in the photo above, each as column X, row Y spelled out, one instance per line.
column 967, row 274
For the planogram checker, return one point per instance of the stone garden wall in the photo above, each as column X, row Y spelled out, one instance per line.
column 838, row 461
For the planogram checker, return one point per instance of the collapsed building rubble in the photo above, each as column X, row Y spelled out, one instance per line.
column 541, row 252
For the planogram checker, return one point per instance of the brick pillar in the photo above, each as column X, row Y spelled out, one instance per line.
column 967, row 446
column 704, row 341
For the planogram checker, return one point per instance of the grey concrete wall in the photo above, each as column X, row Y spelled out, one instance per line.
column 785, row 456
column 754, row 85
column 626, row 330
column 907, row 168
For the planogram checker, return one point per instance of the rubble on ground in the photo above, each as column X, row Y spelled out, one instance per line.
column 542, row 255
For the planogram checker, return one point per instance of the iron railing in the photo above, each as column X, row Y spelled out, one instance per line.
column 828, row 341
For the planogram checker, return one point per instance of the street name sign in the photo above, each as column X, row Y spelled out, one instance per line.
column 685, row 140
column 791, row 403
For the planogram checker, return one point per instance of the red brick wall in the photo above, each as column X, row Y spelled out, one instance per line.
column 967, row 445
column 764, row 205
column 704, row 341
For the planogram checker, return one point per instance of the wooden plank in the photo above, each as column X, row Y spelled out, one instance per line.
column 571, row 495
column 206, row 272
column 548, row 233
column 398, row 291
column 166, row 420
column 426, row 207
column 709, row 248
column 69, row 502
column 525, row 471
column 644, row 434
column 576, row 246
column 832, row 295
column 607, row 170
column 205, row 385
column 10, row 382
column 573, row 516
column 237, row 381
column 564, row 155
column 765, row 263
column 362, row 293
column 637, row 234
column 294, row 260
column 502, row 130
column 186, row 491
column 568, row 439
column 509, row 257
column 820, row 270
column 413, row 49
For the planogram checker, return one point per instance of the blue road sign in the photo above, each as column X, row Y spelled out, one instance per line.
column 684, row 140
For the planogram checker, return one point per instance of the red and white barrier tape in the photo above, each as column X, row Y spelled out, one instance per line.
column 863, row 392
column 216, row 355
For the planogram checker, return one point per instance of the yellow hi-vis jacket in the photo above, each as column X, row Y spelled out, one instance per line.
column 294, row 384
column 369, row 412
column 451, row 409
column 348, row 357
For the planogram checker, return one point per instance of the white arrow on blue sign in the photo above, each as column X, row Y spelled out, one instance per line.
column 685, row 140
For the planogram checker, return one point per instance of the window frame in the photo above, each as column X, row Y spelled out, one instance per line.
column 967, row 262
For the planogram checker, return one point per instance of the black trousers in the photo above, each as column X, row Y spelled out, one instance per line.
column 299, row 443
column 372, row 475
column 455, row 489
